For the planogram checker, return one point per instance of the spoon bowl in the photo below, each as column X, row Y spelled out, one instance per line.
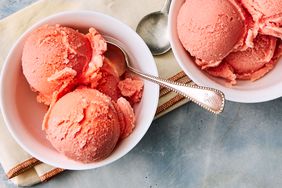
column 153, row 29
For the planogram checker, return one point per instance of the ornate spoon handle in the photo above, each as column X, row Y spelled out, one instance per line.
column 210, row 99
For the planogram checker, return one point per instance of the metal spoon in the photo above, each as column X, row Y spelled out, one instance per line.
column 210, row 99
column 153, row 29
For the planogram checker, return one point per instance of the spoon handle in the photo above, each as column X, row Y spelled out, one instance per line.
column 208, row 98
column 166, row 6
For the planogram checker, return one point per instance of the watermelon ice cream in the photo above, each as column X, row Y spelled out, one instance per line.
column 267, row 15
column 84, row 125
column 90, row 95
column 210, row 33
column 233, row 39
column 250, row 64
column 55, row 58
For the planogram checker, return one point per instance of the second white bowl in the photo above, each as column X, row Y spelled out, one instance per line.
column 265, row 89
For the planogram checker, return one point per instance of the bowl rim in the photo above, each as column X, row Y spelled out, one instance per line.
column 241, row 96
column 7, row 117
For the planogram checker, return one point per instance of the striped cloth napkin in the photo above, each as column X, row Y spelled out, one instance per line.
column 20, row 167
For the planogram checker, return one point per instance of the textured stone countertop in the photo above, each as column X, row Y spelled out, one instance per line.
column 190, row 148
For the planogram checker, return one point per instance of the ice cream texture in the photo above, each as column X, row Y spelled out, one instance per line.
column 84, row 125
column 250, row 64
column 131, row 87
column 90, row 95
column 211, row 29
column 53, row 56
column 267, row 15
column 234, row 39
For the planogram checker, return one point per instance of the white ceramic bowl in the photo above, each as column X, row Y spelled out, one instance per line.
column 23, row 115
column 267, row 88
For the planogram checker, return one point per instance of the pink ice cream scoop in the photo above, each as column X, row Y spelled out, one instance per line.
column 210, row 29
column 116, row 81
column 52, row 57
column 107, row 78
column 84, row 125
column 267, row 15
column 250, row 64
column 127, row 117
column 131, row 87
column 87, row 114
column 108, row 84
column 55, row 58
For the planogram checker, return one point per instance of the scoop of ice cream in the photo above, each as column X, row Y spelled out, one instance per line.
column 99, row 46
column 113, row 68
column 210, row 29
column 53, row 56
column 131, row 87
column 251, row 64
column 84, row 125
column 224, row 71
column 127, row 117
column 255, row 58
column 267, row 15
column 108, row 84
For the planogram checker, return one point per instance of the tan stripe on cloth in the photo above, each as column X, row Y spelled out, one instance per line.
column 24, row 166
column 50, row 174
column 169, row 103
column 174, row 78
